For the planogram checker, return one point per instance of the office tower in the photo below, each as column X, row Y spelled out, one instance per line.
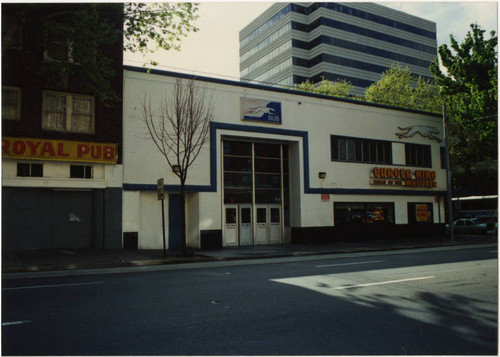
column 292, row 42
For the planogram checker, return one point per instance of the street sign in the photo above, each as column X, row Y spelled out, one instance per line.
column 160, row 189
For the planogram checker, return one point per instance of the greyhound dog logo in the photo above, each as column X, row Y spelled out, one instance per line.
column 426, row 131
column 259, row 111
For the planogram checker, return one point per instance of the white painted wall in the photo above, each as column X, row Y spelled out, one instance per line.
column 56, row 174
column 320, row 118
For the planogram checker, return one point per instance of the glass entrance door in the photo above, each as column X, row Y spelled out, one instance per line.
column 245, row 225
column 275, row 236
column 261, row 225
column 268, row 224
column 256, row 190
column 230, row 225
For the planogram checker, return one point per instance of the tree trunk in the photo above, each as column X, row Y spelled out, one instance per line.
column 183, row 217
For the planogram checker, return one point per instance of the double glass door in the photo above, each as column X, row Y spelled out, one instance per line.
column 241, row 229
column 268, row 224
column 238, row 225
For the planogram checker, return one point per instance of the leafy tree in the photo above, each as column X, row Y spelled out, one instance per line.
column 83, row 31
column 398, row 87
column 470, row 90
column 153, row 26
column 336, row 89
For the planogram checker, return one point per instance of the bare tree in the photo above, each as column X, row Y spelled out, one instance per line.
column 179, row 128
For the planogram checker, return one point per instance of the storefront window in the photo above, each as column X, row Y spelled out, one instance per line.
column 363, row 213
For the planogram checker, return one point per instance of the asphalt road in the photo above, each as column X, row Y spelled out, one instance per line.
column 426, row 301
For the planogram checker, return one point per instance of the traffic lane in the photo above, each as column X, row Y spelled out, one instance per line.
column 218, row 311
column 177, row 277
column 406, row 257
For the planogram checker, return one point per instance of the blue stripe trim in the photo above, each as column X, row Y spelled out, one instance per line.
column 167, row 188
column 212, row 187
column 375, row 192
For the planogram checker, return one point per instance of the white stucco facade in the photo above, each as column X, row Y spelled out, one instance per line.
column 310, row 125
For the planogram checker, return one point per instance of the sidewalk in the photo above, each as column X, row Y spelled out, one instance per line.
column 67, row 259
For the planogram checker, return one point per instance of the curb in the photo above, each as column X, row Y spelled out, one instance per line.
column 200, row 258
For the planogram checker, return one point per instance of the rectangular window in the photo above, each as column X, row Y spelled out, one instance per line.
column 418, row 155
column 363, row 212
column 361, row 150
column 57, row 48
column 11, row 103
column 68, row 112
column 81, row 171
column 29, row 170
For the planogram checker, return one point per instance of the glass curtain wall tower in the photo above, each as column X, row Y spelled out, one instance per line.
column 290, row 43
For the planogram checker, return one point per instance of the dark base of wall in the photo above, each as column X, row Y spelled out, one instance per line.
column 130, row 240
column 362, row 232
column 211, row 239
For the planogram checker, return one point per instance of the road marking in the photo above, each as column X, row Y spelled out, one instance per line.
column 52, row 286
column 383, row 283
column 336, row 265
column 15, row 323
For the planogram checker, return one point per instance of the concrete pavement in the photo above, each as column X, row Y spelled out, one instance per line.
column 67, row 259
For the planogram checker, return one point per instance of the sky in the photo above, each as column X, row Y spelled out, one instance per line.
column 213, row 51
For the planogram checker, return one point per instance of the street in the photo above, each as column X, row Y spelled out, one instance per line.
column 423, row 301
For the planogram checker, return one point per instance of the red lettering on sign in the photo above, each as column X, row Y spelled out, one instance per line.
column 60, row 150
column 33, row 147
column 109, row 152
column 5, row 146
column 19, row 147
column 48, row 148
column 95, row 151
column 82, row 149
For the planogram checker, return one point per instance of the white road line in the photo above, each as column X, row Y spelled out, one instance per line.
column 15, row 323
column 52, row 286
column 383, row 283
column 337, row 265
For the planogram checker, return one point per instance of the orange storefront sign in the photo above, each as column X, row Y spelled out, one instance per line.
column 58, row 150
column 422, row 213
column 403, row 177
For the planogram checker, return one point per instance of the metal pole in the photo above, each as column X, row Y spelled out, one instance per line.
column 163, row 227
column 448, row 175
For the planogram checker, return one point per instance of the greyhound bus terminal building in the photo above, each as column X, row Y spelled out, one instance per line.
column 282, row 166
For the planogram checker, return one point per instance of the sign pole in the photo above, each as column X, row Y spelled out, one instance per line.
column 161, row 198
column 448, row 175
column 163, row 228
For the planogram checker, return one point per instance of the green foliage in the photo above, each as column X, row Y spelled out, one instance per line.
column 336, row 89
column 83, row 33
column 79, row 51
column 153, row 26
column 398, row 87
column 470, row 90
